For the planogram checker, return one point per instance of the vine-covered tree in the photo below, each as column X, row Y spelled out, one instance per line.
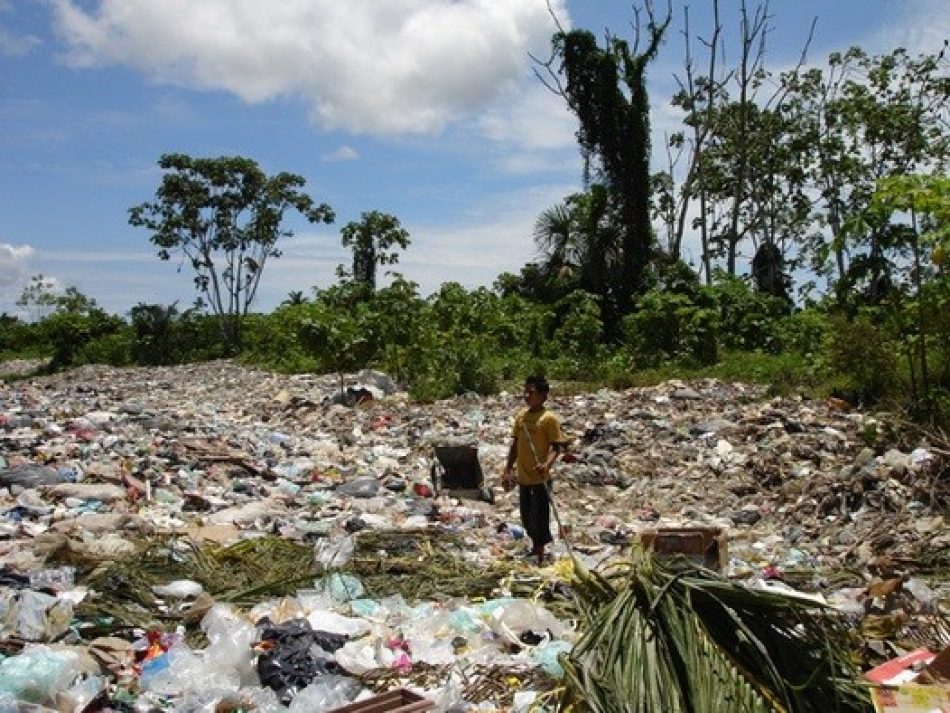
column 372, row 240
column 223, row 216
column 606, row 88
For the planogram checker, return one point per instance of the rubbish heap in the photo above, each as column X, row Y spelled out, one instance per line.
column 218, row 537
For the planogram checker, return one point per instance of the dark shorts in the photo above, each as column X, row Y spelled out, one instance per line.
column 535, row 505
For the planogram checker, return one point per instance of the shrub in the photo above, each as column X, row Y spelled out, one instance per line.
column 863, row 357
column 672, row 326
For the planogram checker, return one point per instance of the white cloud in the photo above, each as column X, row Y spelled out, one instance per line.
column 394, row 67
column 17, row 45
column 344, row 153
column 14, row 266
column 532, row 118
column 920, row 26
column 13, row 263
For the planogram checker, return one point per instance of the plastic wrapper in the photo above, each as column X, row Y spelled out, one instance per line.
column 231, row 639
column 547, row 655
column 188, row 672
column 78, row 696
column 337, row 623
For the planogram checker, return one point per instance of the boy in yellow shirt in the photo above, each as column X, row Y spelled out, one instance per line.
column 536, row 442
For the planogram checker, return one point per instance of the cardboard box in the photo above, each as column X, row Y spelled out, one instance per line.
column 911, row 698
column 704, row 545
column 399, row 701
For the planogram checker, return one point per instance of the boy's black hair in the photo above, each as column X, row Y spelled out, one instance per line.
column 539, row 383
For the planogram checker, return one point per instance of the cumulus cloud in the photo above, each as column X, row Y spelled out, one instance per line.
column 13, row 263
column 344, row 153
column 394, row 67
column 536, row 119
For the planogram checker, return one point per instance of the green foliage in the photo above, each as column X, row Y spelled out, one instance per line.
column 676, row 638
column 69, row 333
column 156, row 340
column 748, row 317
column 579, row 241
column 340, row 341
column 113, row 348
column 403, row 334
column 20, row 339
column 273, row 341
column 802, row 332
column 676, row 326
column 862, row 356
column 576, row 341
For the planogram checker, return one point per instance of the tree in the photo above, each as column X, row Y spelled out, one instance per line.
column 869, row 117
column 294, row 297
column 606, row 89
column 38, row 297
column 371, row 239
column 925, row 200
column 154, row 327
column 746, row 165
column 224, row 215
column 75, row 322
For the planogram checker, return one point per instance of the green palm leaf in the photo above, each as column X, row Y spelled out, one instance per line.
column 674, row 638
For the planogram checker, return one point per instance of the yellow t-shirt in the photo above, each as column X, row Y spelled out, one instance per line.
column 545, row 431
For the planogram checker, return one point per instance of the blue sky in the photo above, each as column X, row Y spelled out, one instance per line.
column 427, row 109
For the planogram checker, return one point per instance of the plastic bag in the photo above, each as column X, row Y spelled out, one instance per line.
column 78, row 696
column 341, row 587
column 179, row 589
column 547, row 656
column 297, row 655
column 325, row 693
column 188, row 672
column 36, row 616
column 334, row 554
column 38, row 673
column 358, row 657
column 337, row 623
column 231, row 639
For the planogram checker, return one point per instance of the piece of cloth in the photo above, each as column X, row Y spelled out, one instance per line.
column 535, row 505
column 545, row 430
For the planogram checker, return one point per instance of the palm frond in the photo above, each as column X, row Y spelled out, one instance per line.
column 675, row 638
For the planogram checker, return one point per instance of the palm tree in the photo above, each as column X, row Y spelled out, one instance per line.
column 579, row 240
column 294, row 298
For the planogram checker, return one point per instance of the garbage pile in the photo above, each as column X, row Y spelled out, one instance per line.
column 214, row 535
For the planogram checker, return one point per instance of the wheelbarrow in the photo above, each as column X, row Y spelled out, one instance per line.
column 456, row 469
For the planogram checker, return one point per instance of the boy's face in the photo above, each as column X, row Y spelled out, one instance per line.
column 533, row 397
